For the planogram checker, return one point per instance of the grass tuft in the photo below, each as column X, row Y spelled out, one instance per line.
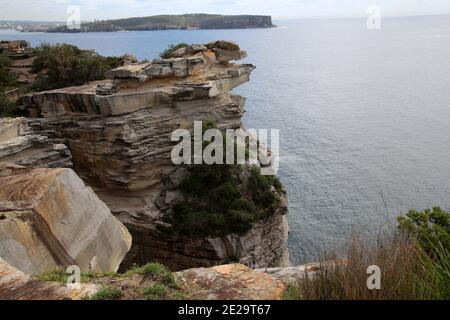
column 107, row 293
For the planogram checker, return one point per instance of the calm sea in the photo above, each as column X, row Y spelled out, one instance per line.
column 364, row 115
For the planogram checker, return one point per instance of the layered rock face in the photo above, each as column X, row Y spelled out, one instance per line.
column 119, row 134
column 20, row 146
column 49, row 218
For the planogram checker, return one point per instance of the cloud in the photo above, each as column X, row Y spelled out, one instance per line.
column 104, row 9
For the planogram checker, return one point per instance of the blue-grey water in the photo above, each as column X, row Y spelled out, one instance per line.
column 364, row 115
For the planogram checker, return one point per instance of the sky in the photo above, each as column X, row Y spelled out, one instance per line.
column 56, row 10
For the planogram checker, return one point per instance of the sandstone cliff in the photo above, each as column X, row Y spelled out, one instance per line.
column 49, row 218
column 118, row 132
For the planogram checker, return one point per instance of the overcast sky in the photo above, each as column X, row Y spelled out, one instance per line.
column 56, row 10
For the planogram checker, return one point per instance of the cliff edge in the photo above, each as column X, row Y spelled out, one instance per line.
column 119, row 132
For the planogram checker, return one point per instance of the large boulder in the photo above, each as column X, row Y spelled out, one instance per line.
column 49, row 218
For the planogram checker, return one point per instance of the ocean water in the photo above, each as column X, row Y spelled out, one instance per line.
column 364, row 116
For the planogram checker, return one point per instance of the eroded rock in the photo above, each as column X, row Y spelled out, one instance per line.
column 16, row 285
column 231, row 282
column 120, row 141
column 51, row 219
column 18, row 145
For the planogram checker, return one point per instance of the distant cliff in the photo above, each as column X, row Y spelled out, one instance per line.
column 174, row 22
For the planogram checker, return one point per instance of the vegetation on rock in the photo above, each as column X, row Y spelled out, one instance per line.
column 108, row 293
column 152, row 281
column 158, row 271
column 431, row 227
column 7, row 82
column 224, row 199
column 171, row 49
column 64, row 65
column 60, row 275
column 8, row 108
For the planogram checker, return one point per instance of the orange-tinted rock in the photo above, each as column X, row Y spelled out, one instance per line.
column 231, row 282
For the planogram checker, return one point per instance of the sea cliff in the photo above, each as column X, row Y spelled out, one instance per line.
column 116, row 135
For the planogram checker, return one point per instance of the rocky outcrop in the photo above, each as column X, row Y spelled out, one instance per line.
column 49, row 218
column 16, row 285
column 20, row 146
column 119, row 134
column 231, row 282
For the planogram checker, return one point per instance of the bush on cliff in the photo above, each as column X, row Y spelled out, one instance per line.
column 224, row 199
column 7, row 108
column 430, row 227
column 7, row 80
column 171, row 49
column 64, row 65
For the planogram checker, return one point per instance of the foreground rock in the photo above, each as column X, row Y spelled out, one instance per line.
column 49, row 218
column 16, row 285
column 231, row 282
column 227, row 282
column 119, row 134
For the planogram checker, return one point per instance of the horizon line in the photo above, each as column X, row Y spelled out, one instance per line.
column 311, row 17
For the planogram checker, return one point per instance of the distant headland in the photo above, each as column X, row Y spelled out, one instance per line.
column 171, row 22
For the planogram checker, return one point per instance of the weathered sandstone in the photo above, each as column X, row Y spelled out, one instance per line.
column 119, row 134
column 18, row 145
column 16, row 285
column 231, row 282
column 49, row 218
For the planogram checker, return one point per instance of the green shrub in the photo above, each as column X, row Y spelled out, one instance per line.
column 64, row 65
column 60, row 275
column 221, row 201
column 8, row 108
column 156, row 292
column 171, row 49
column 158, row 271
column 7, row 80
column 107, row 293
column 430, row 227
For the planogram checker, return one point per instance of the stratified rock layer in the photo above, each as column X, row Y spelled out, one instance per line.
column 119, row 134
column 49, row 218
column 18, row 145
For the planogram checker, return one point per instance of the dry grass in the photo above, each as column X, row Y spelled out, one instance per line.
column 406, row 273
